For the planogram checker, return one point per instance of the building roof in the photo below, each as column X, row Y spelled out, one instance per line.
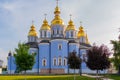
column 44, row 41
column 32, row 44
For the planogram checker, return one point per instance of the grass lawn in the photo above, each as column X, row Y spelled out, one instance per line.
column 53, row 77
column 114, row 76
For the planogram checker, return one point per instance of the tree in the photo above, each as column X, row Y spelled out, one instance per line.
column 116, row 55
column 98, row 58
column 74, row 61
column 24, row 61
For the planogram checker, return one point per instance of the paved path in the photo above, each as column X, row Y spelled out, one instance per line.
column 92, row 76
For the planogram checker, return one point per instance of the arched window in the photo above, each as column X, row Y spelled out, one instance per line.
column 59, row 61
column 53, row 32
column 57, row 31
column 54, row 61
column 40, row 33
column 44, row 62
column 65, row 61
column 45, row 33
column 59, row 46
column 71, row 34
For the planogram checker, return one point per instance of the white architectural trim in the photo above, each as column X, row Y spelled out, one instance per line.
column 43, row 43
column 58, row 40
column 74, row 44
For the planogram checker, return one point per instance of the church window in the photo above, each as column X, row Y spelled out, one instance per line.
column 54, row 61
column 71, row 34
column 53, row 31
column 61, row 31
column 65, row 61
column 59, row 61
column 59, row 46
column 40, row 33
column 57, row 31
column 45, row 33
column 44, row 62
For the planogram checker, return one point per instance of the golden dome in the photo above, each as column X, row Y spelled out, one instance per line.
column 70, row 26
column 57, row 19
column 45, row 25
column 57, row 10
column 81, row 32
column 87, row 41
column 32, row 31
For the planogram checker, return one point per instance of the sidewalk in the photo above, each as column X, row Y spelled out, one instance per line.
column 92, row 76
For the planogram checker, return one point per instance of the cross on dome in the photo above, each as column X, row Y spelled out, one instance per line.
column 70, row 16
column 32, row 22
column 45, row 15
column 80, row 23
column 57, row 2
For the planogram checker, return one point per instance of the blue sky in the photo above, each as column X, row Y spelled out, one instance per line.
column 100, row 18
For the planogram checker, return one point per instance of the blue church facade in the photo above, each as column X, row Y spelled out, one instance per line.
column 53, row 46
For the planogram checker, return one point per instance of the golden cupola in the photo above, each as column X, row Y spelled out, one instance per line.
column 32, row 31
column 57, row 19
column 45, row 25
column 70, row 26
column 87, row 41
column 81, row 32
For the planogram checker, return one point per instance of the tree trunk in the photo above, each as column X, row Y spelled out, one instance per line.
column 25, row 75
column 74, row 73
column 97, row 74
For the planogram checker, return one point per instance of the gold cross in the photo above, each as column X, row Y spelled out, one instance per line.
column 32, row 22
column 57, row 2
column 70, row 16
column 80, row 23
column 45, row 15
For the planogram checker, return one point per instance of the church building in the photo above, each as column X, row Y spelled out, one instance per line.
column 53, row 45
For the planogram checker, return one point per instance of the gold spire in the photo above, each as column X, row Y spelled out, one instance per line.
column 32, row 31
column 57, row 19
column 81, row 32
column 87, row 41
column 70, row 25
column 45, row 25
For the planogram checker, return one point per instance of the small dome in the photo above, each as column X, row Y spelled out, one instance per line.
column 70, row 26
column 32, row 31
column 45, row 25
column 57, row 19
column 57, row 10
column 9, row 54
column 81, row 32
column 87, row 41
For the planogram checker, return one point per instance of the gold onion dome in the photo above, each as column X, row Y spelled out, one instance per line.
column 32, row 31
column 81, row 32
column 87, row 41
column 45, row 25
column 57, row 19
column 70, row 26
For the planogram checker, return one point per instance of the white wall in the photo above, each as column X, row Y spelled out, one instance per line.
column 0, row 70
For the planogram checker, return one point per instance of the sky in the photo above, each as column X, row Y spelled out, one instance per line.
column 100, row 19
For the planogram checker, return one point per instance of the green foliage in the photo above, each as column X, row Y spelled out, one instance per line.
column 74, row 61
column 116, row 55
column 98, row 58
column 23, row 59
